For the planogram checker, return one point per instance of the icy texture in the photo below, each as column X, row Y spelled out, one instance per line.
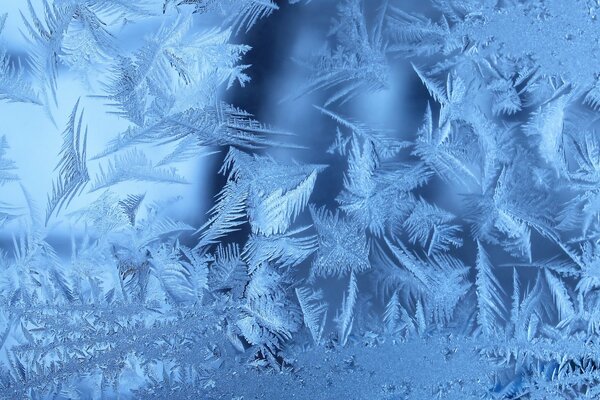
column 459, row 259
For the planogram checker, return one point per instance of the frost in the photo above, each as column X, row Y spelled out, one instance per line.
column 352, row 261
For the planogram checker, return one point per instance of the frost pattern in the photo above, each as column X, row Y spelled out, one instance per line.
column 502, row 275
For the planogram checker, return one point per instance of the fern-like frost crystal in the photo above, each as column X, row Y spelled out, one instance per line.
column 377, row 199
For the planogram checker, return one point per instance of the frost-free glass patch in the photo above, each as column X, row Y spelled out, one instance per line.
column 326, row 199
